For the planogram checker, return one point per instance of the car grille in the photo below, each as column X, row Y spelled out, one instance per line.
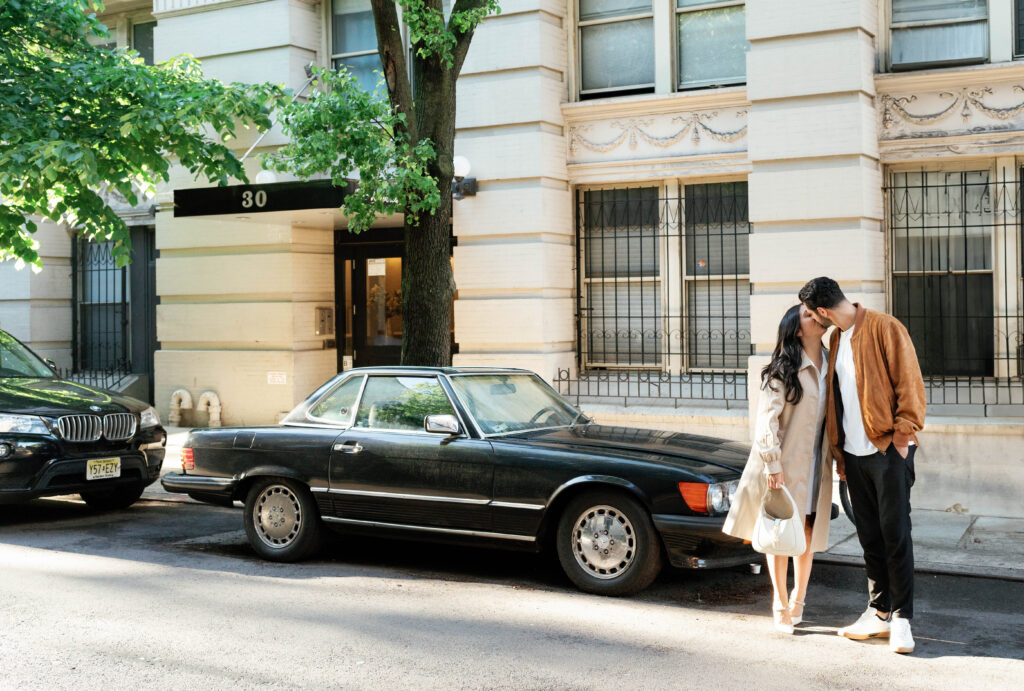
column 118, row 426
column 85, row 428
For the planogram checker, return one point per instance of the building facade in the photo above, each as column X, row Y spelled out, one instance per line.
column 656, row 180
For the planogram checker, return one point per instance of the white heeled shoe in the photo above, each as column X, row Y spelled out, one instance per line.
column 793, row 601
column 777, row 611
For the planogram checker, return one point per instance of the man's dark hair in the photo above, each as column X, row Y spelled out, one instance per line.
column 821, row 292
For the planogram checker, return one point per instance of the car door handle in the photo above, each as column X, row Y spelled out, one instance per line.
column 349, row 447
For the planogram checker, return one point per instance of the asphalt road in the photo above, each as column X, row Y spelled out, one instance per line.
column 168, row 595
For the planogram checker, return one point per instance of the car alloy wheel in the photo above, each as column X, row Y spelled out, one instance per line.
column 277, row 516
column 604, row 542
column 281, row 520
column 607, row 544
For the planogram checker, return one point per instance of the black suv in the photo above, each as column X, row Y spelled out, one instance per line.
column 61, row 437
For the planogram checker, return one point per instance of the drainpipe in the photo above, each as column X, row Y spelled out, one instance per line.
column 210, row 402
column 180, row 400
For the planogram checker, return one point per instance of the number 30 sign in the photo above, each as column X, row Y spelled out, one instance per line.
column 257, row 199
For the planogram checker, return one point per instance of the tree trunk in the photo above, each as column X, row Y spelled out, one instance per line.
column 427, row 290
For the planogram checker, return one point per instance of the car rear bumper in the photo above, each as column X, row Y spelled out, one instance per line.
column 67, row 476
column 697, row 542
column 199, row 484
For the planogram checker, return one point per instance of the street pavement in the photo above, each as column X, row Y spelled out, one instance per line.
column 168, row 595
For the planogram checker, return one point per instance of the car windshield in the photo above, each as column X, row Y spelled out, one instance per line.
column 503, row 403
column 18, row 361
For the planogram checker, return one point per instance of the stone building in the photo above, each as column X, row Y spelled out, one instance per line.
column 656, row 180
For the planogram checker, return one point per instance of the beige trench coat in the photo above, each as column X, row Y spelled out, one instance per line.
column 784, row 438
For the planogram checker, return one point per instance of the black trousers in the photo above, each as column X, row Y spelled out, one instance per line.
column 880, row 494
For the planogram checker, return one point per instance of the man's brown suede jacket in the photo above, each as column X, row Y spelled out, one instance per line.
column 889, row 383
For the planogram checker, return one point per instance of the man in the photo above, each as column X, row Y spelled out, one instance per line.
column 876, row 406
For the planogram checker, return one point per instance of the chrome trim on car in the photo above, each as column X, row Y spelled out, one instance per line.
column 517, row 505
column 431, row 529
column 88, row 428
column 119, row 426
column 197, row 481
column 80, row 428
column 398, row 495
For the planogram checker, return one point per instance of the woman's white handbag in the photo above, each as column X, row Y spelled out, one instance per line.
column 779, row 529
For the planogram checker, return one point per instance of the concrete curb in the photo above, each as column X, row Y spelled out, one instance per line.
column 931, row 567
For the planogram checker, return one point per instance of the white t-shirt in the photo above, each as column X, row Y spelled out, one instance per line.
column 857, row 441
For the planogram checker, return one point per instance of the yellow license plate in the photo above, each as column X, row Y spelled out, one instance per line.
column 102, row 468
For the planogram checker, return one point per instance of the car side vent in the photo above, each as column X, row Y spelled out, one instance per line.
column 79, row 428
column 119, row 426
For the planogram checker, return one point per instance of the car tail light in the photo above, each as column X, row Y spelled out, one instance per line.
column 188, row 459
column 695, row 494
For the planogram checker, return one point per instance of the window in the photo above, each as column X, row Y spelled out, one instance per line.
column 616, row 44
column 622, row 296
column 926, row 33
column 717, row 276
column 712, row 40
column 338, row 406
column 142, row 40
column 354, row 41
column 401, row 403
column 102, row 313
column 664, row 282
column 942, row 269
column 1018, row 33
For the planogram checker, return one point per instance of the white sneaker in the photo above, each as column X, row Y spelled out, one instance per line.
column 868, row 626
column 900, row 640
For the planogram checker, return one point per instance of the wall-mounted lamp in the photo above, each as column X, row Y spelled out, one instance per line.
column 462, row 186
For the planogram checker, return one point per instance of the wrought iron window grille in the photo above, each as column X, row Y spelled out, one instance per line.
column 662, row 295
column 955, row 281
column 101, row 315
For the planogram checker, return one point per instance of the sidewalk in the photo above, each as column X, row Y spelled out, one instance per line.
column 945, row 542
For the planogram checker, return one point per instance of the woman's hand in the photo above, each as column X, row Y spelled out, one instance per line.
column 776, row 481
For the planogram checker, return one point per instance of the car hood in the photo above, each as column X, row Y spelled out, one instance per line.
column 672, row 448
column 53, row 397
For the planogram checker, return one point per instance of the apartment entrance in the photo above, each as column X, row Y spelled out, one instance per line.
column 368, row 297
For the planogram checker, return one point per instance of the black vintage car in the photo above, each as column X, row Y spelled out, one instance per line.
column 61, row 437
column 474, row 455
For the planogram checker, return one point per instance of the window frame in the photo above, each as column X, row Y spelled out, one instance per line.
column 611, row 92
column 677, row 85
column 885, row 40
column 1007, row 289
column 674, row 292
column 1017, row 49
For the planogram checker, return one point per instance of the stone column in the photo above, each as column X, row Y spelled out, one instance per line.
column 816, row 182
column 238, row 295
column 514, row 259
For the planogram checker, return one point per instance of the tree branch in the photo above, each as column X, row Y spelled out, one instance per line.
column 463, row 39
column 392, row 58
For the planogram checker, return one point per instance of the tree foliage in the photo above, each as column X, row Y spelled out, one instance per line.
column 402, row 148
column 77, row 120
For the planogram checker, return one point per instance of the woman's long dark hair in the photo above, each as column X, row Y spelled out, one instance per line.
column 787, row 356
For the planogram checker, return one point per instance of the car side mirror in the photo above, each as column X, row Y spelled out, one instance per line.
column 442, row 424
column 52, row 365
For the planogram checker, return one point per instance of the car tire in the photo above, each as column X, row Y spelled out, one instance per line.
column 281, row 520
column 119, row 497
column 607, row 544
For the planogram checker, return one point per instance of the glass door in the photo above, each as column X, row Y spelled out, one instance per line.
column 377, row 307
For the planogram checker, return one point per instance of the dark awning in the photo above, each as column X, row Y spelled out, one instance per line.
column 249, row 199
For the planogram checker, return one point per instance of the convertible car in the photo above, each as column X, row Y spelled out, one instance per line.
column 467, row 454
column 61, row 437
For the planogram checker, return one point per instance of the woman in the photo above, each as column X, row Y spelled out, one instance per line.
column 790, row 449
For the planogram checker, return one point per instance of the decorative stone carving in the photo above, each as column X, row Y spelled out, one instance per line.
column 952, row 112
column 677, row 134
